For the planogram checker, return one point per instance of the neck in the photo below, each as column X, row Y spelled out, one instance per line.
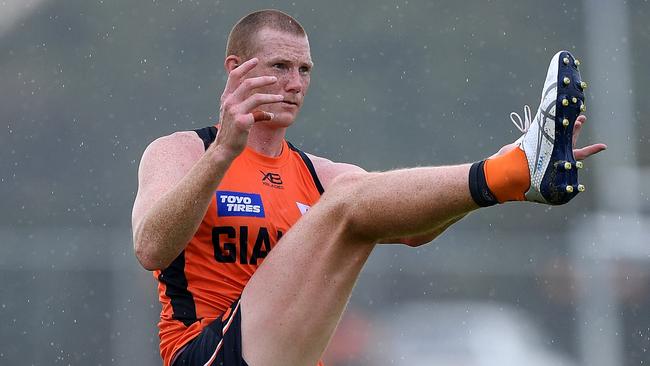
column 266, row 141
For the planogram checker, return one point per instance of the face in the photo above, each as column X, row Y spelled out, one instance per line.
column 288, row 58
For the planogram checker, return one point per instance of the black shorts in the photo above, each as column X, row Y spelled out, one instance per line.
column 219, row 343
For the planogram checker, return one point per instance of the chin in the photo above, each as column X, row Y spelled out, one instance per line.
column 282, row 119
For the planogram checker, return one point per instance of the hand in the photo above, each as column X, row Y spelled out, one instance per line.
column 587, row 151
column 238, row 107
column 579, row 154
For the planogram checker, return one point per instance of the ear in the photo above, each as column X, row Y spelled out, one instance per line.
column 231, row 62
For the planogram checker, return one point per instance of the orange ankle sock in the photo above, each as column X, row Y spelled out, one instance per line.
column 507, row 175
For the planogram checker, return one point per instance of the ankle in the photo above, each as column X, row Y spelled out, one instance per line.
column 508, row 176
column 500, row 179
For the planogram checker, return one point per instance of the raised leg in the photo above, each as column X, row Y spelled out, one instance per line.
column 294, row 301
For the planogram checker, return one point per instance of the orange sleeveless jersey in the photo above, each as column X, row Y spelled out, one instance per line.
column 258, row 200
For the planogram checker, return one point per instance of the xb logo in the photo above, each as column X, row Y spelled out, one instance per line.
column 272, row 179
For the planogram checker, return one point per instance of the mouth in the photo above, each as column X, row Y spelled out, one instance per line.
column 288, row 102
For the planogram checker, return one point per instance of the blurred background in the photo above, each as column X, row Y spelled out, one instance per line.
column 86, row 85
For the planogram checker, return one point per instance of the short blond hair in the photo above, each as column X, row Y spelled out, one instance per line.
column 241, row 41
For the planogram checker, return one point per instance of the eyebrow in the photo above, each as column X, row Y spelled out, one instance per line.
column 284, row 60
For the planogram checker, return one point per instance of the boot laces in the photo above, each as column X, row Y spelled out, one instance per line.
column 522, row 124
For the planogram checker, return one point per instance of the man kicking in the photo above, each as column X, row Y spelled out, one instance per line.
column 214, row 206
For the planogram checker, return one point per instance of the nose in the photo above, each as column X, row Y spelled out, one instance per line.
column 293, row 82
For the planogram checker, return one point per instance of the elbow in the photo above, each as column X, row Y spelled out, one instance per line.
column 147, row 257
column 147, row 251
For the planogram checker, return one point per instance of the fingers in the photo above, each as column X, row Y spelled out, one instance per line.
column 237, row 75
column 244, row 114
column 256, row 100
column 248, row 85
column 262, row 116
column 587, row 151
column 577, row 127
column 240, row 100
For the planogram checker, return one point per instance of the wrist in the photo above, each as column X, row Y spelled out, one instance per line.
column 222, row 155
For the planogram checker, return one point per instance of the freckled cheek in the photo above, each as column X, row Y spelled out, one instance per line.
column 283, row 77
column 283, row 80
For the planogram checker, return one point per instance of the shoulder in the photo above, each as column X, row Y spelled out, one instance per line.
column 180, row 139
column 328, row 170
column 180, row 144
column 177, row 152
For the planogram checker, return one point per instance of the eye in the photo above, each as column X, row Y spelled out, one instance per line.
column 279, row 66
column 305, row 70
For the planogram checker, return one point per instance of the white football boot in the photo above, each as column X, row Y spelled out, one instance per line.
column 548, row 139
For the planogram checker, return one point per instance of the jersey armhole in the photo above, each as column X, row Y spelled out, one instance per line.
column 310, row 167
column 207, row 134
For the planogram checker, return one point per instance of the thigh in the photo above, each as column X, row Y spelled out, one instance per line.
column 295, row 299
column 218, row 344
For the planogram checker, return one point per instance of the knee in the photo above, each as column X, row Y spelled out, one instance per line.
column 342, row 189
column 348, row 181
column 343, row 201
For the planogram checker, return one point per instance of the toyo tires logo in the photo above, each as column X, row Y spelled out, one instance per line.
column 239, row 204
